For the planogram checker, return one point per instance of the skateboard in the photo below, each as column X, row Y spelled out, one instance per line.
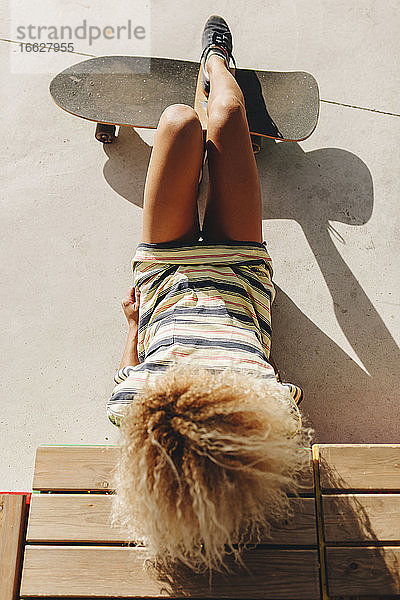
column 133, row 91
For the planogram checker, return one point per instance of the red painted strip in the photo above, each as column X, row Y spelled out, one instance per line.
column 27, row 494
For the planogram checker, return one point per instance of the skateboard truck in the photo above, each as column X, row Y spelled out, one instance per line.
column 105, row 133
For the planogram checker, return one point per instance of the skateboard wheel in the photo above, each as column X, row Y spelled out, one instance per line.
column 256, row 142
column 105, row 133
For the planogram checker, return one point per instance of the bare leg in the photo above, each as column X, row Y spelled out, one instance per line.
column 233, row 208
column 170, row 194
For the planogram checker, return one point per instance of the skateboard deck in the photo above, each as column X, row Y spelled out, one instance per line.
column 133, row 91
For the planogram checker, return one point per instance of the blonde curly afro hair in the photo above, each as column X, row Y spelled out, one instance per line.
column 206, row 461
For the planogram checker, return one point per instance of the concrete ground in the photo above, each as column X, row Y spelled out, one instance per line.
column 71, row 219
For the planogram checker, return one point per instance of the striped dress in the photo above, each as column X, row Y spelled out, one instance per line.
column 207, row 303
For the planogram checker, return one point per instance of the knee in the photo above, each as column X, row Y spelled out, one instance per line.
column 180, row 118
column 227, row 108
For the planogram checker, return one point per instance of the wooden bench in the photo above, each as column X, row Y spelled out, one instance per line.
column 102, row 566
column 344, row 540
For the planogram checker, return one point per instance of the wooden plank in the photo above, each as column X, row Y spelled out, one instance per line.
column 118, row 571
column 363, row 571
column 75, row 468
column 361, row 518
column 80, row 468
column 71, row 517
column 359, row 467
column 86, row 518
column 12, row 522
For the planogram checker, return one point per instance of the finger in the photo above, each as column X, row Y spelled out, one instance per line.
column 126, row 301
column 137, row 298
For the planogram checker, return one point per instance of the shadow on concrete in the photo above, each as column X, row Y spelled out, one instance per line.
column 125, row 170
column 342, row 401
column 345, row 404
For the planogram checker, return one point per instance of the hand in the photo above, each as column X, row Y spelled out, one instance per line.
column 130, row 305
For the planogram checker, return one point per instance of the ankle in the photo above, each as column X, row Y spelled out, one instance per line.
column 215, row 62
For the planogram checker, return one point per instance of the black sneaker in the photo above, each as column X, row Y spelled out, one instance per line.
column 217, row 38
